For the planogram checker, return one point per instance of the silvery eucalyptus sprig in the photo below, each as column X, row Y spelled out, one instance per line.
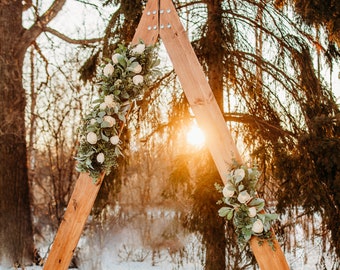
column 243, row 207
column 124, row 79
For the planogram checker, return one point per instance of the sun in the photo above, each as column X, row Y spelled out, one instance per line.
column 195, row 136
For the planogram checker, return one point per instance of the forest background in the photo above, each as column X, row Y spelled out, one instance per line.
column 272, row 66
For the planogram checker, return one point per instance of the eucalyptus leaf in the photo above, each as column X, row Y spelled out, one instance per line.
column 247, row 235
column 122, row 62
column 256, row 201
column 105, row 124
column 104, row 137
column 90, row 153
column 121, row 85
column 230, row 186
column 262, row 217
column 101, row 114
column 125, row 95
column 88, row 161
column 230, row 214
column 222, row 212
column 97, row 101
column 156, row 63
column 121, row 117
column 132, row 66
column 81, row 158
column 157, row 73
column 91, row 128
column 260, row 206
column 271, row 216
column 118, row 152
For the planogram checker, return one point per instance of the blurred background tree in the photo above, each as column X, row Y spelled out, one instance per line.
column 271, row 72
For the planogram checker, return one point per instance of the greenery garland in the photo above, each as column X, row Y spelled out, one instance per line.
column 124, row 79
column 244, row 207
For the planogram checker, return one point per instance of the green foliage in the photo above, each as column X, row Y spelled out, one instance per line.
column 321, row 13
column 243, row 206
column 125, row 78
column 316, row 165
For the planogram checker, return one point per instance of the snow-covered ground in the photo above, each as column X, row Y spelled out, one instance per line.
column 155, row 241
column 129, row 256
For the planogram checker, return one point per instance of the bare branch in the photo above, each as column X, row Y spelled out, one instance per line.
column 51, row 12
column 31, row 34
column 71, row 40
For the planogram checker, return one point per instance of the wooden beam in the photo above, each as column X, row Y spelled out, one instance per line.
column 197, row 90
column 148, row 27
column 268, row 258
column 85, row 192
column 208, row 115
column 72, row 225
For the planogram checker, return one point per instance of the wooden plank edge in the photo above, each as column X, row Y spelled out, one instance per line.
column 148, row 27
column 72, row 225
column 268, row 257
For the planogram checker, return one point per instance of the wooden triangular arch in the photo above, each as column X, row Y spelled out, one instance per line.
column 160, row 19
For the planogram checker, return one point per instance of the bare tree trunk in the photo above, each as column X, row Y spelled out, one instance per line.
column 16, row 236
column 214, row 51
column 215, row 241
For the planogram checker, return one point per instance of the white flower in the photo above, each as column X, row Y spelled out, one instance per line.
column 239, row 174
column 137, row 79
column 114, row 140
column 115, row 58
column 243, row 197
column 102, row 106
column 110, row 120
column 109, row 101
column 92, row 138
column 139, row 49
column 100, row 157
column 257, row 226
column 252, row 211
column 108, row 70
column 137, row 68
column 92, row 121
column 227, row 192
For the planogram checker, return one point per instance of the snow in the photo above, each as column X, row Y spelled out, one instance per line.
column 125, row 251
column 154, row 239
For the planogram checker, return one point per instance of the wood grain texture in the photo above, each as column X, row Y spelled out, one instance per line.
column 208, row 116
column 72, row 225
column 197, row 90
column 148, row 27
column 267, row 257
column 85, row 192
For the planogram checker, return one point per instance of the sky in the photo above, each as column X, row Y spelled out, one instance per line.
column 76, row 20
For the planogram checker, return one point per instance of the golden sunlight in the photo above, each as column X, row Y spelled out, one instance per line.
column 195, row 136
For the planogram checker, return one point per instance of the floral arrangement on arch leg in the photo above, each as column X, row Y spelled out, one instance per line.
column 124, row 79
column 243, row 206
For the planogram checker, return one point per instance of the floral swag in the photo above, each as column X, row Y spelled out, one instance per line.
column 243, row 206
column 124, row 79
